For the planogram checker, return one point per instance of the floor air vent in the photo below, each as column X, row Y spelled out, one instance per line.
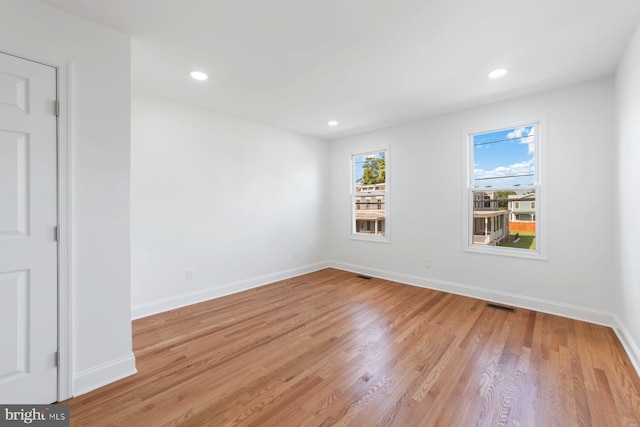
column 363, row 277
column 501, row 307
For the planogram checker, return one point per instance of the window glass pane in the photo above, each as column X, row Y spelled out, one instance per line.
column 504, row 158
column 504, row 218
column 369, row 193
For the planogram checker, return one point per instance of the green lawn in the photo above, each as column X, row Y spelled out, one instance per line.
column 527, row 241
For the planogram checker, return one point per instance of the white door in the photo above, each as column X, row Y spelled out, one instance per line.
column 28, row 248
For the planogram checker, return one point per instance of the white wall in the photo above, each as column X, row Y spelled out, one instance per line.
column 99, row 145
column 426, row 179
column 228, row 198
column 628, row 128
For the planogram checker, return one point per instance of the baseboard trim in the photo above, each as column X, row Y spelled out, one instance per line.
column 162, row 305
column 627, row 341
column 586, row 314
column 101, row 375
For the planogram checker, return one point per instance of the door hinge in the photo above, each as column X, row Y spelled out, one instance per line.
column 57, row 108
column 57, row 359
column 56, row 233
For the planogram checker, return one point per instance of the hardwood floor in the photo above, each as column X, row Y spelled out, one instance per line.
column 330, row 348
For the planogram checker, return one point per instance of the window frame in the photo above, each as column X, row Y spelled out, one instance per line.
column 539, row 187
column 353, row 234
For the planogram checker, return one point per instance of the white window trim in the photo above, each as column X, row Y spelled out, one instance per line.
column 542, row 222
column 387, row 200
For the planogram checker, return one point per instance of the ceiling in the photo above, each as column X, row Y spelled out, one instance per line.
column 369, row 64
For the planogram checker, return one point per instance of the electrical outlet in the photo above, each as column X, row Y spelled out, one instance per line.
column 189, row 274
column 427, row 263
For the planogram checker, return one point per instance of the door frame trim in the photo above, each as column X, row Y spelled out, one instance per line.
column 64, row 196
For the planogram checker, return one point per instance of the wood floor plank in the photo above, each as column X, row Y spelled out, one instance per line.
column 330, row 348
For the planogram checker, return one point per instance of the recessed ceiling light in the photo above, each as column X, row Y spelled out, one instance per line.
column 198, row 75
column 333, row 123
column 496, row 74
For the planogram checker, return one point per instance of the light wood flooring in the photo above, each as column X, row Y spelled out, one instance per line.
column 330, row 348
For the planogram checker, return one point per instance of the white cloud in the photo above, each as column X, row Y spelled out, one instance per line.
column 529, row 137
column 521, row 168
column 369, row 157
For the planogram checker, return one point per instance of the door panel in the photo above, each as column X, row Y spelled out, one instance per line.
column 13, row 183
column 28, row 216
column 13, row 92
column 13, row 318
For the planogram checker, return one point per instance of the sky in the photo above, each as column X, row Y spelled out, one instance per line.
column 502, row 154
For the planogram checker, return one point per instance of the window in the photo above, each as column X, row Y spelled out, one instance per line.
column 504, row 173
column 487, row 204
column 369, row 196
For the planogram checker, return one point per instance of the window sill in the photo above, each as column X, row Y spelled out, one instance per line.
column 369, row 238
column 509, row 252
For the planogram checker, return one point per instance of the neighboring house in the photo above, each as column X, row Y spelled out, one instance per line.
column 370, row 209
column 523, row 212
column 490, row 222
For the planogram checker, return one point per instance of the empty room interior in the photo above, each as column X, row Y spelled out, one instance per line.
column 338, row 212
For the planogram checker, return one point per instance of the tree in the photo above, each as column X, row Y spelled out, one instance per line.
column 503, row 198
column 373, row 171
